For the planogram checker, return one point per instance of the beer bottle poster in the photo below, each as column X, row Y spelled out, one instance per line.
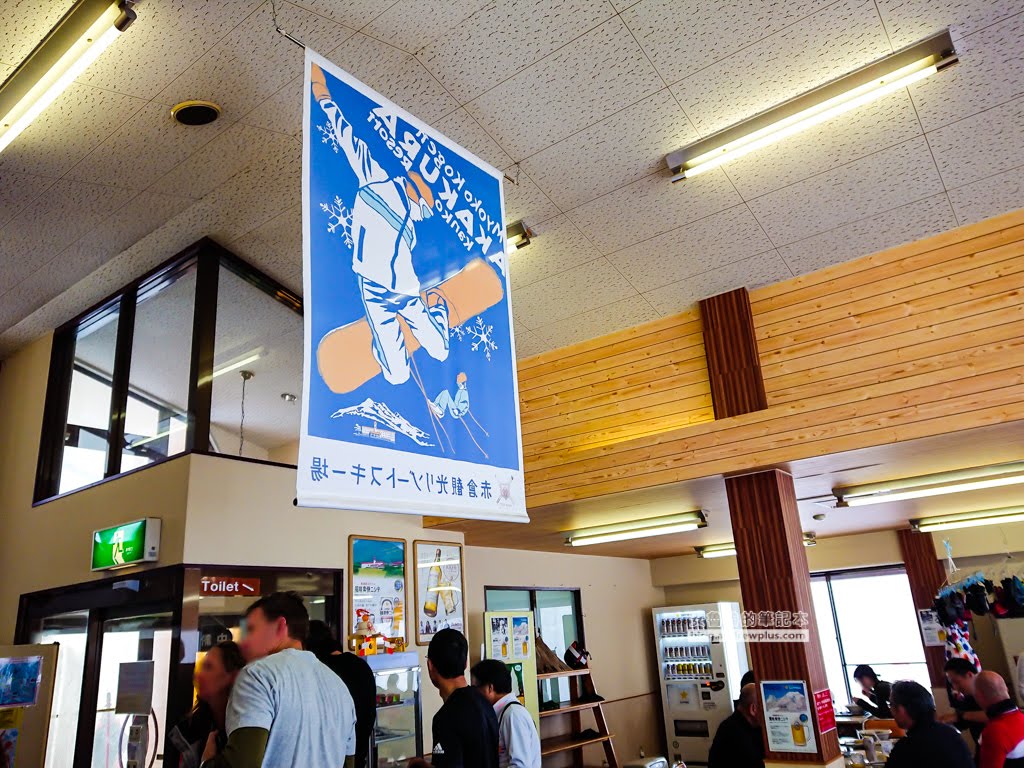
column 787, row 716
column 410, row 397
column 509, row 637
column 439, row 589
column 377, row 586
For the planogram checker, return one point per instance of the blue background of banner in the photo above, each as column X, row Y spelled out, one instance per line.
column 334, row 300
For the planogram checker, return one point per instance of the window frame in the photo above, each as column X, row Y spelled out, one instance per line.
column 208, row 257
column 577, row 593
column 827, row 577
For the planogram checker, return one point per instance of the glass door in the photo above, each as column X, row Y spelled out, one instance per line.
column 131, row 706
column 70, row 632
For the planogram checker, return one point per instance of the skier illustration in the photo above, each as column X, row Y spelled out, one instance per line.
column 384, row 214
column 457, row 406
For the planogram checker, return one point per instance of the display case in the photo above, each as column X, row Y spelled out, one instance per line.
column 398, row 735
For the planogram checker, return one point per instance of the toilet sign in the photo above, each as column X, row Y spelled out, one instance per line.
column 229, row 586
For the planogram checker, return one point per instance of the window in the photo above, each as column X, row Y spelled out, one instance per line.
column 854, row 609
column 154, row 371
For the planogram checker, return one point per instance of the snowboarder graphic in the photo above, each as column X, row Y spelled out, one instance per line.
column 457, row 406
column 383, row 232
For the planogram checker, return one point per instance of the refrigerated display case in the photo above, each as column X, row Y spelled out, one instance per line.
column 701, row 657
column 398, row 735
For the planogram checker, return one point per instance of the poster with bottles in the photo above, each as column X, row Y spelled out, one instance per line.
column 510, row 638
column 787, row 716
column 439, row 589
column 377, row 588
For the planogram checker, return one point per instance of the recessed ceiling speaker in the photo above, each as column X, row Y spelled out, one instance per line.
column 195, row 112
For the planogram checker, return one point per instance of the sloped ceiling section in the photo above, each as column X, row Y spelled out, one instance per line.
column 578, row 100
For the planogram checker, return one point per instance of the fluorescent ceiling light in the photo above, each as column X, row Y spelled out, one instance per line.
column 728, row 549
column 88, row 29
column 169, row 431
column 969, row 519
column 938, row 484
column 638, row 529
column 847, row 93
column 234, row 365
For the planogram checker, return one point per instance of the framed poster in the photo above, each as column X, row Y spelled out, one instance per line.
column 377, row 586
column 510, row 639
column 19, row 681
column 787, row 715
column 440, row 588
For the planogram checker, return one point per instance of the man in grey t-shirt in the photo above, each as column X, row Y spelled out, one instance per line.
column 286, row 709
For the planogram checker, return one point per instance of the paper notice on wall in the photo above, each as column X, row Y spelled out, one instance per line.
column 134, row 688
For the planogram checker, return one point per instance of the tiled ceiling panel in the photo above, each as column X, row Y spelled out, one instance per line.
column 577, row 101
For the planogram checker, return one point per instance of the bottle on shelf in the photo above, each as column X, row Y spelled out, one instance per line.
column 433, row 582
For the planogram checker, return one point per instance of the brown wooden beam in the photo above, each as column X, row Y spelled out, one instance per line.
column 730, row 345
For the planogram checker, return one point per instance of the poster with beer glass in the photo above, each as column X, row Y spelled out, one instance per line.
column 439, row 589
column 510, row 639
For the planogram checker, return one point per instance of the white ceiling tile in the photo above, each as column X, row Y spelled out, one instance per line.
column 5, row 71
column 589, row 79
column 871, row 185
column 254, row 61
column 920, row 219
column 26, row 22
column 217, row 161
column 17, row 190
column 650, row 206
column 504, row 38
column 591, row 285
column 282, row 112
column 524, row 200
column 705, row 244
column 145, row 148
column 983, row 145
column 908, row 21
column 597, row 322
column 990, row 72
column 21, row 255
column 989, row 197
column 616, row 151
column 465, row 131
column 529, row 344
column 67, row 131
column 413, row 24
column 67, row 211
column 145, row 212
column 167, row 36
column 276, row 246
column 395, row 74
column 683, row 36
column 763, row 269
column 557, row 246
column 352, row 13
column 836, row 40
column 889, row 121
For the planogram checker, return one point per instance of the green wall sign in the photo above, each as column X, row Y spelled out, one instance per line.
column 126, row 544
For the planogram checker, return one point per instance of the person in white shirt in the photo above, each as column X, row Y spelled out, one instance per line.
column 518, row 740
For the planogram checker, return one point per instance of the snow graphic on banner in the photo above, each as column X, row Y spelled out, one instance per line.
column 410, row 365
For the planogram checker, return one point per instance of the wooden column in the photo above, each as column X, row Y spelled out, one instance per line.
column 766, row 527
column 774, row 577
column 924, row 571
column 734, row 368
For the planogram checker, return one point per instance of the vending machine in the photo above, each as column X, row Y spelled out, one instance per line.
column 702, row 656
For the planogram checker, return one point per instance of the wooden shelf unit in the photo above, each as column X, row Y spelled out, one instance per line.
column 581, row 685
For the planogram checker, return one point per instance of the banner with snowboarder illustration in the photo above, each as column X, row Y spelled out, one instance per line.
column 410, row 400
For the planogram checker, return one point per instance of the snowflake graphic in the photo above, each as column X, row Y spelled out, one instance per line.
column 339, row 215
column 482, row 336
column 329, row 136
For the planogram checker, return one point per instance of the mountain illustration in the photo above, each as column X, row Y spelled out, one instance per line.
column 379, row 413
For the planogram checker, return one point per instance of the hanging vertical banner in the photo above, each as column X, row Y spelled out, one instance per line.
column 410, row 395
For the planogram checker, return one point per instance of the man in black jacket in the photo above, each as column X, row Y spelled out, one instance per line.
column 927, row 743
column 738, row 742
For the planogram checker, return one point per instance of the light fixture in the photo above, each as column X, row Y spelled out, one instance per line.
column 517, row 235
column 638, row 529
column 728, row 549
column 288, row 397
column 938, row 484
column 846, row 93
column 78, row 39
column 234, row 365
column 969, row 519
column 178, row 427
column 195, row 112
